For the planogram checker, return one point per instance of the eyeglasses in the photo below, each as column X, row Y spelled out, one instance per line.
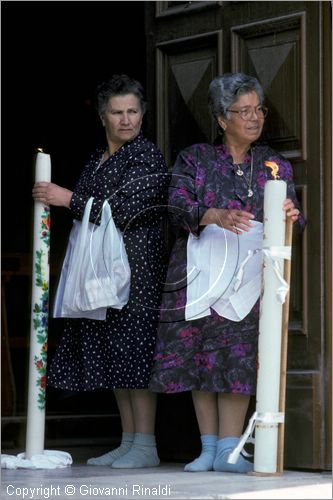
column 246, row 114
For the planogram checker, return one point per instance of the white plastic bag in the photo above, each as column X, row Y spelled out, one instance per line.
column 96, row 273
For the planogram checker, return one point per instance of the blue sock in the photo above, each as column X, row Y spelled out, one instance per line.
column 205, row 461
column 111, row 456
column 224, row 448
column 142, row 454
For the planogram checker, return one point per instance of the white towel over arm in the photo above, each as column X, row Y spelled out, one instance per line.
column 223, row 272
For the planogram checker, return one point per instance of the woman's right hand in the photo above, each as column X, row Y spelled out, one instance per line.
column 52, row 194
column 234, row 220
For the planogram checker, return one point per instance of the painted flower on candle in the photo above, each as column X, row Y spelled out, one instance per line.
column 46, row 222
column 40, row 322
column 274, row 166
column 39, row 364
column 45, row 225
column 43, row 382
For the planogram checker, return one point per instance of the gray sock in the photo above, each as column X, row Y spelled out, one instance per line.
column 142, row 454
column 111, row 456
column 206, row 459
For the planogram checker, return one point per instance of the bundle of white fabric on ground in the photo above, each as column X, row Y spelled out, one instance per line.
column 48, row 459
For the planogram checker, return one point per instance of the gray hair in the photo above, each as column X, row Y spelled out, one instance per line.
column 115, row 86
column 224, row 91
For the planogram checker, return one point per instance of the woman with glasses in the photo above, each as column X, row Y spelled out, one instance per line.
column 213, row 353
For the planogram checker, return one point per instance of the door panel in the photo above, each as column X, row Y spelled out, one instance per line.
column 274, row 52
column 185, row 68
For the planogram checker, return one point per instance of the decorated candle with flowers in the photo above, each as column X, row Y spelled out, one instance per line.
column 39, row 315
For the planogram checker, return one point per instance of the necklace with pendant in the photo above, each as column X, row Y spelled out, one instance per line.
column 240, row 173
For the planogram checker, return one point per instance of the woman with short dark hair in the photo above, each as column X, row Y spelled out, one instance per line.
column 117, row 353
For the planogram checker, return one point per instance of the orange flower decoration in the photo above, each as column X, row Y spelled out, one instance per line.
column 46, row 221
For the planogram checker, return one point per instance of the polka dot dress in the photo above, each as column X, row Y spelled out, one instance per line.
column 118, row 352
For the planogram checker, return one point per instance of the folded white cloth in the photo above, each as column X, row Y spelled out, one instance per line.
column 49, row 459
column 223, row 272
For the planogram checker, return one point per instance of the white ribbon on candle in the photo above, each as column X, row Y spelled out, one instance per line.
column 279, row 252
column 267, row 418
column 240, row 273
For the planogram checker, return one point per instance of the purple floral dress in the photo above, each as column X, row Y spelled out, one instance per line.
column 211, row 353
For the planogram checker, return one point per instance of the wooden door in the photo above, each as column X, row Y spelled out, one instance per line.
column 287, row 46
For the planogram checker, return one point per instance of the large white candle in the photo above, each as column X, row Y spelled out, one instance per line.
column 270, row 327
column 35, row 457
column 39, row 316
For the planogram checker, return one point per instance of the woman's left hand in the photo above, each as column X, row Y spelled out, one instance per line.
column 291, row 210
